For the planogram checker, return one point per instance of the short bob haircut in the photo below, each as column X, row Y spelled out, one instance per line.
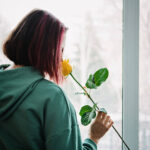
column 36, row 41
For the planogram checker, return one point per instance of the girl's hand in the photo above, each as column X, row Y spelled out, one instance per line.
column 100, row 126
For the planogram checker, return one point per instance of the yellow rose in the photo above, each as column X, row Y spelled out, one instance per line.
column 66, row 67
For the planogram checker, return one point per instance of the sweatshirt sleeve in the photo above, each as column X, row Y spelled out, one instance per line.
column 61, row 128
column 70, row 140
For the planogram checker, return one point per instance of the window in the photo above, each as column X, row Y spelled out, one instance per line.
column 94, row 40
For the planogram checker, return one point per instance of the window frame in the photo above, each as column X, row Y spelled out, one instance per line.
column 130, row 74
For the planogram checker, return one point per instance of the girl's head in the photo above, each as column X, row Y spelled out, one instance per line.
column 37, row 41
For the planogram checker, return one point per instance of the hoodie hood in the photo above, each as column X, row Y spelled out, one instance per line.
column 15, row 86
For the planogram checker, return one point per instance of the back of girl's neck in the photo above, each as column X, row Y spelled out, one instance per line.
column 13, row 66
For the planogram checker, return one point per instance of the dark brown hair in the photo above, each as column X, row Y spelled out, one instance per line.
column 36, row 41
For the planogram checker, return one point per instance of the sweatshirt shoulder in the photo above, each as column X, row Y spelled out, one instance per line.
column 51, row 97
column 49, row 86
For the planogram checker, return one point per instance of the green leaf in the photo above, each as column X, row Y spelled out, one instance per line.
column 94, row 110
column 90, row 82
column 87, row 113
column 85, row 109
column 85, row 119
column 92, row 115
column 100, row 76
column 103, row 110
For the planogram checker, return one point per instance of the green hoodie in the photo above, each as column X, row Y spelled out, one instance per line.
column 35, row 114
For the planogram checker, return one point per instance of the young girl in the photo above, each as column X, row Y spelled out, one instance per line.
column 35, row 114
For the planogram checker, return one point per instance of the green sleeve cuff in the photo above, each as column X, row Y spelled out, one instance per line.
column 89, row 143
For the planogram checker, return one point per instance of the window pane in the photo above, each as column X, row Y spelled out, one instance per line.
column 144, row 133
column 95, row 41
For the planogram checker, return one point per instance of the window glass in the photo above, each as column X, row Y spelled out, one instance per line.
column 144, row 85
column 95, row 41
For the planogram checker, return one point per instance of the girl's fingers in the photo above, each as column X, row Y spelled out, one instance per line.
column 110, row 124
column 104, row 115
column 107, row 120
column 101, row 115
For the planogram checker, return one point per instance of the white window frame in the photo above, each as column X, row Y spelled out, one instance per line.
column 130, row 74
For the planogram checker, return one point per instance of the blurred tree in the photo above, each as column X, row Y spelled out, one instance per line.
column 4, row 28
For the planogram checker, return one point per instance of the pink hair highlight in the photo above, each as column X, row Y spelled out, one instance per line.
column 54, row 60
